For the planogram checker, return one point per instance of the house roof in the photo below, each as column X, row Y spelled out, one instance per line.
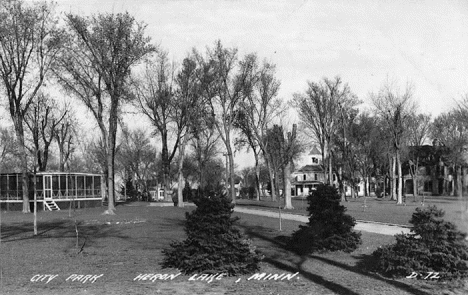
column 314, row 151
column 310, row 168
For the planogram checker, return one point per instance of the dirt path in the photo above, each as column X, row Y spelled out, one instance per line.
column 373, row 227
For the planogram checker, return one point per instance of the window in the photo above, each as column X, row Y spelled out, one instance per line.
column 314, row 160
column 304, row 177
column 315, row 176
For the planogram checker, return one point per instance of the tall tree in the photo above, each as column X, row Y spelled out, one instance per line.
column 257, row 112
column 65, row 137
column 171, row 102
column 281, row 148
column 8, row 150
column 418, row 132
column 136, row 156
column 154, row 90
column 192, row 112
column 394, row 108
column 205, row 149
column 29, row 43
column 320, row 110
column 449, row 130
column 96, row 67
column 43, row 119
column 346, row 151
column 226, row 82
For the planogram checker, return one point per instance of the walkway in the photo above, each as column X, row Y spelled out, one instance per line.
column 372, row 227
column 367, row 226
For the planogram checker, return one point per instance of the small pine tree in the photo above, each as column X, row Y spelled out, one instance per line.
column 433, row 245
column 329, row 228
column 212, row 244
column 187, row 192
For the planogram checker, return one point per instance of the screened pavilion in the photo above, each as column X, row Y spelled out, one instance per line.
column 52, row 187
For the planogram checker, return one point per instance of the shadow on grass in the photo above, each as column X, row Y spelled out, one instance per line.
column 298, row 267
column 60, row 229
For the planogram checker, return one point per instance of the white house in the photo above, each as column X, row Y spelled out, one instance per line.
column 309, row 176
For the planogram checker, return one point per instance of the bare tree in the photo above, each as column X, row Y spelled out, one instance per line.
column 205, row 149
column 192, row 112
column 320, row 109
column 225, row 83
column 281, row 148
column 65, row 136
column 96, row 68
column 8, row 150
column 450, row 131
column 154, row 90
column 418, row 132
column 256, row 114
column 136, row 156
column 43, row 119
column 394, row 108
column 171, row 102
column 29, row 43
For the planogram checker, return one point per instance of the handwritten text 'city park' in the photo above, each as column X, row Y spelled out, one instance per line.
column 152, row 277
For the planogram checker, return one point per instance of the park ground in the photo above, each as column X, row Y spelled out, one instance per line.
column 119, row 249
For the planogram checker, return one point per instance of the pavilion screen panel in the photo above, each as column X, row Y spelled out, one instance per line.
column 71, row 185
column 40, row 186
column 55, row 185
column 80, row 189
column 89, row 186
column 31, row 186
column 63, row 185
column 3, row 187
column 12, row 183
column 97, row 186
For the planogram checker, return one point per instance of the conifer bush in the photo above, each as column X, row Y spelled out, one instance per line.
column 329, row 228
column 433, row 245
column 213, row 245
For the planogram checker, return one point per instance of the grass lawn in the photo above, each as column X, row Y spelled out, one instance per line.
column 123, row 246
column 379, row 210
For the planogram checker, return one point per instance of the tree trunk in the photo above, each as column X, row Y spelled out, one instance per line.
column 459, row 182
column 111, row 141
column 231, row 175
column 324, row 162
column 61, row 156
column 18, row 123
column 400, row 179
column 110, row 180
column 287, row 186
column 227, row 143
column 341, row 185
column 165, row 165
column 257, row 176
column 272, row 182
column 393, row 179
column 330, row 168
column 180, row 197
column 384, row 186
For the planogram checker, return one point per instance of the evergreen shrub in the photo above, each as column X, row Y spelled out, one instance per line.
column 329, row 228
column 433, row 245
column 213, row 245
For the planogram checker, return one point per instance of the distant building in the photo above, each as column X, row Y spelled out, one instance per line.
column 436, row 175
column 309, row 176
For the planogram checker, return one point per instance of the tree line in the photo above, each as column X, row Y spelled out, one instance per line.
column 213, row 101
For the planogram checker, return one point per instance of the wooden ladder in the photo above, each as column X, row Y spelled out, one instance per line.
column 51, row 205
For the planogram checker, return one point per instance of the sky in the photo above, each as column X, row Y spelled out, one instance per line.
column 366, row 43
column 424, row 43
